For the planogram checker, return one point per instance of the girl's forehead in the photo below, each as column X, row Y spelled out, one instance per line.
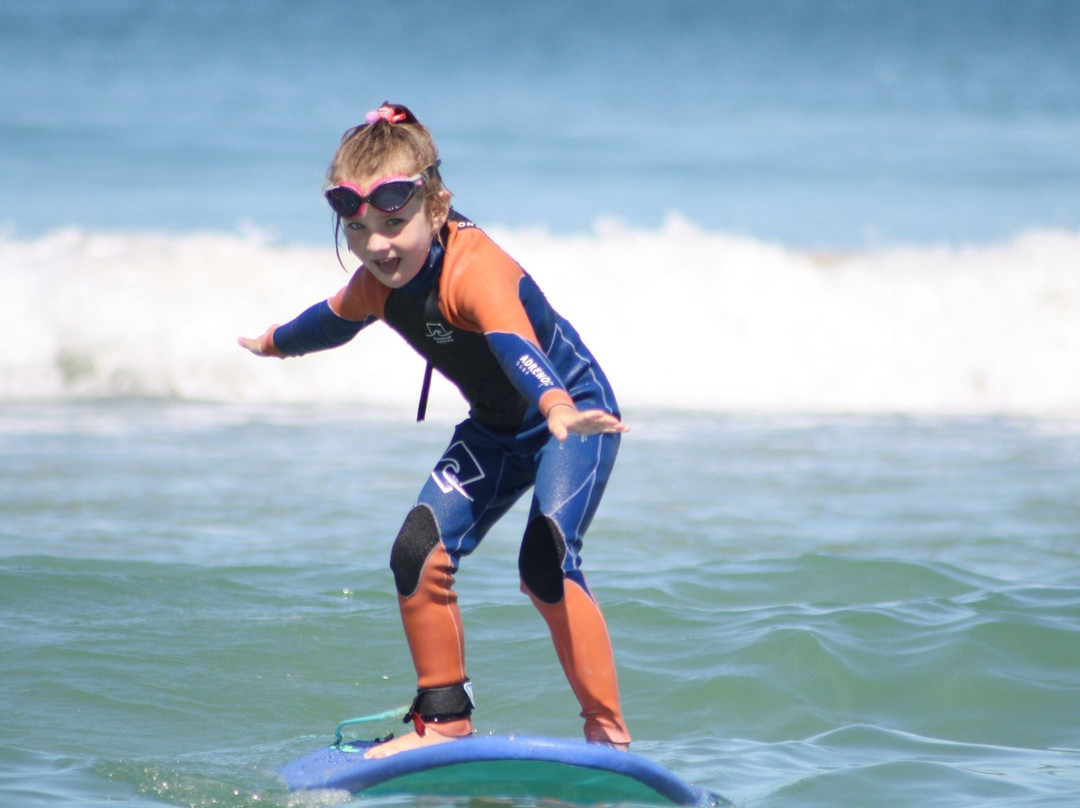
column 389, row 170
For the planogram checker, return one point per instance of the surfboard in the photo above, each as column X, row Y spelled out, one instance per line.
column 499, row 766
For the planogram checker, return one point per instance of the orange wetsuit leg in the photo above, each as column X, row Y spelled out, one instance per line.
column 583, row 646
column 434, row 631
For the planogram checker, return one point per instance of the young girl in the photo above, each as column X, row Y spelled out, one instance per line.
column 530, row 382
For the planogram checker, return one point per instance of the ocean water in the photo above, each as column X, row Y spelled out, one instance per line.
column 828, row 253
column 806, row 611
column 828, row 124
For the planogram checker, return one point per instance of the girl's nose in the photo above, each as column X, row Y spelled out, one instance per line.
column 378, row 243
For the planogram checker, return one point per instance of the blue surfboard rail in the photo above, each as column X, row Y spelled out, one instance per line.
column 343, row 767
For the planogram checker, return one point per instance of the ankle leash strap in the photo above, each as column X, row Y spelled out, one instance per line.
column 433, row 705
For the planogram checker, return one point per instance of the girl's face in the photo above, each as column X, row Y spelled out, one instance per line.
column 392, row 246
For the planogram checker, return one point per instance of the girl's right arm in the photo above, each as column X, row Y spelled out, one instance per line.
column 316, row 329
column 261, row 346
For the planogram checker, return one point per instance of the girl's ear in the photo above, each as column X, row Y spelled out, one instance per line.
column 439, row 209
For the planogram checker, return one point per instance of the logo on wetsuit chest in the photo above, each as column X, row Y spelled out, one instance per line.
column 440, row 333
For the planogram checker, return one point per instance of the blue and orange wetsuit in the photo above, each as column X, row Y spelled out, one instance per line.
column 482, row 321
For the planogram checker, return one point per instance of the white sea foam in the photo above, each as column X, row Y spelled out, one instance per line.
column 681, row 318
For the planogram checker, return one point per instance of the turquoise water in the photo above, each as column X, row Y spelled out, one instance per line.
column 812, row 611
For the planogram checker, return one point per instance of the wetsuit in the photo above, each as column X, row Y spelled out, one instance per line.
column 482, row 321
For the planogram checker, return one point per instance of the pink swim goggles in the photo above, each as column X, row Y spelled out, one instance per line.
column 388, row 196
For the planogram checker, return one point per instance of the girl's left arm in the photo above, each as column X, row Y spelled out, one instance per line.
column 499, row 312
column 562, row 420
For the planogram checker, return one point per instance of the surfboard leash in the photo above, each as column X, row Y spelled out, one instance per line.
column 397, row 712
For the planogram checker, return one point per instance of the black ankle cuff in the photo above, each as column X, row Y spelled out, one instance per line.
column 437, row 704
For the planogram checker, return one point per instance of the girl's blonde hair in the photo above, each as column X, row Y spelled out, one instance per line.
column 392, row 137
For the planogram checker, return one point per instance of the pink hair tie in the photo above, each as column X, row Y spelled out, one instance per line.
column 386, row 113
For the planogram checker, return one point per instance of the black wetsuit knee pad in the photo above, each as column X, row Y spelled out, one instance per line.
column 418, row 536
column 540, row 560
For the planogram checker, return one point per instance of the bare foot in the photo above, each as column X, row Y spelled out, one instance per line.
column 410, row 740
column 621, row 747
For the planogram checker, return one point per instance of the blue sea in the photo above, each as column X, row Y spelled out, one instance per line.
column 828, row 253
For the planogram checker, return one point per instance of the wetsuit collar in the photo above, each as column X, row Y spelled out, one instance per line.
column 429, row 272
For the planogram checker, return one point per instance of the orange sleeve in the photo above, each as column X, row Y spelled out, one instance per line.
column 480, row 287
column 360, row 298
column 481, row 292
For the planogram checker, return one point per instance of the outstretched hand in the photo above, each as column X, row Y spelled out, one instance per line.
column 260, row 346
column 563, row 419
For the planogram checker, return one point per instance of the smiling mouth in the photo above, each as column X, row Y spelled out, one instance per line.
column 388, row 265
